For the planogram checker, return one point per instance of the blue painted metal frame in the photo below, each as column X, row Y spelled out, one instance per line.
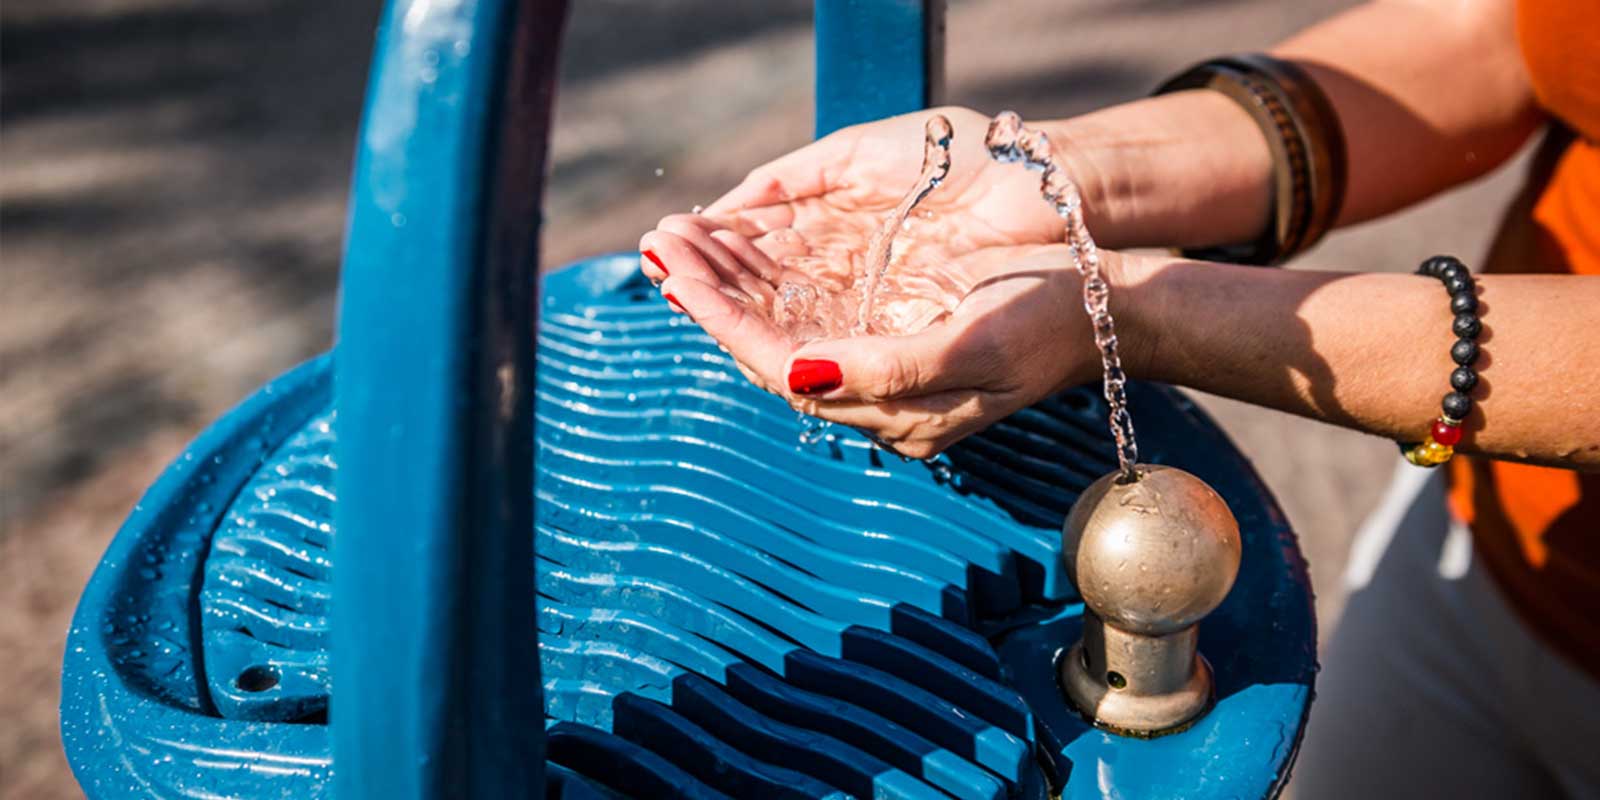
column 877, row 58
column 434, row 638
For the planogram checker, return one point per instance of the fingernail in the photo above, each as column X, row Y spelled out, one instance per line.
column 656, row 260
column 814, row 376
column 676, row 306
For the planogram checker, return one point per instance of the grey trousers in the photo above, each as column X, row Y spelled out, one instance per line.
column 1431, row 686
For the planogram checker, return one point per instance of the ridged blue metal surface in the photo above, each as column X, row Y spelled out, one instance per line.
column 723, row 610
column 789, row 610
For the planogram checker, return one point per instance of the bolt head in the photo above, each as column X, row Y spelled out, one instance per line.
column 1153, row 555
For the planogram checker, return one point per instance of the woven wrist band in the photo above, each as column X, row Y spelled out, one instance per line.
column 1307, row 145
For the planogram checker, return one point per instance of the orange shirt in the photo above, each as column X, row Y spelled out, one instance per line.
column 1538, row 528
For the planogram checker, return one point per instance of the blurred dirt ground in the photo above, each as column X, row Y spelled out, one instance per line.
column 172, row 201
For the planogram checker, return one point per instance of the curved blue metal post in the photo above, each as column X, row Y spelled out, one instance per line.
column 435, row 663
column 877, row 58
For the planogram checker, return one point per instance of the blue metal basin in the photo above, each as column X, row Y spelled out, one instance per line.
column 723, row 611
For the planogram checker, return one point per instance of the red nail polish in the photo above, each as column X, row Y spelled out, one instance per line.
column 656, row 260
column 676, row 306
column 814, row 376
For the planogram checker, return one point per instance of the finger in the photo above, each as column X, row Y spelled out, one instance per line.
column 751, row 277
column 747, row 253
column 919, row 427
column 873, row 369
column 736, row 247
column 807, row 172
column 749, row 338
column 650, row 262
column 781, row 244
column 663, row 255
column 751, row 375
column 755, row 221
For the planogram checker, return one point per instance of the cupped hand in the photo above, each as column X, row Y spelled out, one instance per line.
column 977, row 261
column 866, row 169
column 1017, row 335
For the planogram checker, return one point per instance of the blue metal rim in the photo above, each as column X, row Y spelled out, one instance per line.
column 135, row 720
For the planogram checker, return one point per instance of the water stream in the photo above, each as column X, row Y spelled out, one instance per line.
column 937, row 135
column 1010, row 141
column 812, row 302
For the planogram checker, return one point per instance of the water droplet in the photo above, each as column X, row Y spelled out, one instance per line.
column 812, row 430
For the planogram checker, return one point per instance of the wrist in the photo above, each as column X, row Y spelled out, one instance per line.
column 1100, row 163
column 1189, row 169
column 1139, row 310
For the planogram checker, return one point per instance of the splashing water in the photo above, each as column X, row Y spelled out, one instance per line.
column 936, row 137
column 805, row 311
column 813, row 302
column 833, row 288
column 812, row 430
column 1009, row 141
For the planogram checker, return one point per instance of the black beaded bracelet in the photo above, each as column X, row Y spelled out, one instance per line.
column 1457, row 404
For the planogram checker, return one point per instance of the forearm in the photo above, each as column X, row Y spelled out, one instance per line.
column 1430, row 94
column 1181, row 170
column 1371, row 351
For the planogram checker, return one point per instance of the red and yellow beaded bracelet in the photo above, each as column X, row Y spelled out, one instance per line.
column 1438, row 447
column 1457, row 404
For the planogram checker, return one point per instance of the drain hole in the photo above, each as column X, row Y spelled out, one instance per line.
column 1115, row 680
column 256, row 679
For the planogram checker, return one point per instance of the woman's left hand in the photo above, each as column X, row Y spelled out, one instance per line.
column 1018, row 335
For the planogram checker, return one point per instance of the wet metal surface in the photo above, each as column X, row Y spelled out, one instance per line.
column 722, row 611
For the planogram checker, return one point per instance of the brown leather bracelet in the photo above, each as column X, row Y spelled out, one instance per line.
column 1307, row 146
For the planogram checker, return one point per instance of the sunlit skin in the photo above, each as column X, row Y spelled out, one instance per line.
column 1366, row 351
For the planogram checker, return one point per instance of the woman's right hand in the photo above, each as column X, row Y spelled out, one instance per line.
column 866, row 169
column 1146, row 179
column 809, row 217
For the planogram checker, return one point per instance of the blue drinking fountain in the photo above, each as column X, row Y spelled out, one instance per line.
column 368, row 579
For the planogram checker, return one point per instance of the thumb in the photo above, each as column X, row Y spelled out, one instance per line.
column 873, row 369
